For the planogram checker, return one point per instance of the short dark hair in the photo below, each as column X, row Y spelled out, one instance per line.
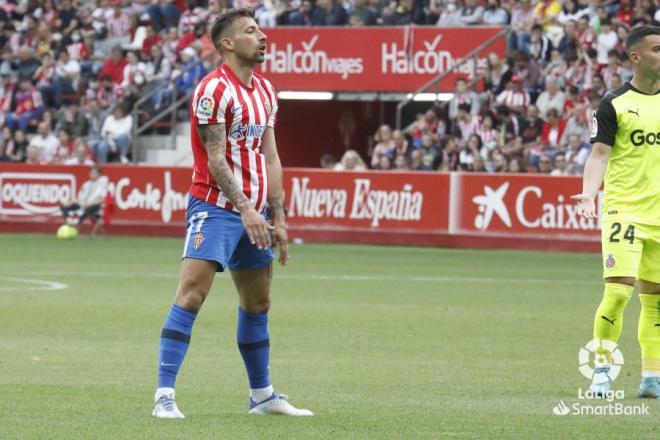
column 464, row 106
column 639, row 33
column 225, row 20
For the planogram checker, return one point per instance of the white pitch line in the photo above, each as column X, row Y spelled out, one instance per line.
column 40, row 285
column 332, row 277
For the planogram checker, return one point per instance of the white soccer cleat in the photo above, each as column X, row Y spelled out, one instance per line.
column 166, row 408
column 278, row 405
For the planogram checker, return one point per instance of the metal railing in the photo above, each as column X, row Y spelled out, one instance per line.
column 435, row 82
column 171, row 110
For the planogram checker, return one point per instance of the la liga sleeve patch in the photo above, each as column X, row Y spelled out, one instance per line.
column 594, row 126
column 205, row 107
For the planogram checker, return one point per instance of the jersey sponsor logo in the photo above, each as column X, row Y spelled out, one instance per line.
column 205, row 107
column 640, row 137
column 238, row 132
column 35, row 193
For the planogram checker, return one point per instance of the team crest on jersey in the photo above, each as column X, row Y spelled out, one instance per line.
column 610, row 262
column 197, row 242
column 205, row 107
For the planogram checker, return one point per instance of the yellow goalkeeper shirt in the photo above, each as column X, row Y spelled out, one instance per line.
column 628, row 120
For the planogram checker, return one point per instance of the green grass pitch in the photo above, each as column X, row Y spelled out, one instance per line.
column 380, row 342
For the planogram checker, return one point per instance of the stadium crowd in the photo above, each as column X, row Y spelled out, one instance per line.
column 71, row 70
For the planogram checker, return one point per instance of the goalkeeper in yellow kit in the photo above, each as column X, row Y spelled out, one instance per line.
column 626, row 151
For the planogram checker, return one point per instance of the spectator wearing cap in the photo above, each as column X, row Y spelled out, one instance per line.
column 28, row 106
column 114, row 66
column 164, row 14
column 514, row 97
column 116, row 133
column 551, row 97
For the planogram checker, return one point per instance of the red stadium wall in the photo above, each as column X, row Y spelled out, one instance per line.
column 426, row 209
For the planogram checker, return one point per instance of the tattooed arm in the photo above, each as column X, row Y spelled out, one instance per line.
column 276, row 193
column 214, row 139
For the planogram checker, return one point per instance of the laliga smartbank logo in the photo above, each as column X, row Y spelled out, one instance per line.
column 600, row 368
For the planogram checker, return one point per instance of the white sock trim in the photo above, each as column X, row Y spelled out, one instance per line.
column 647, row 373
column 261, row 394
column 160, row 392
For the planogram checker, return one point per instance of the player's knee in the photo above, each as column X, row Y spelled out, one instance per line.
column 191, row 294
column 260, row 305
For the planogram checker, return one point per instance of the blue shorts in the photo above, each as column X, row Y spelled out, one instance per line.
column 217, row 234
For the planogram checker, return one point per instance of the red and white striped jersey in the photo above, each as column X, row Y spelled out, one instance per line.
column 221, row 98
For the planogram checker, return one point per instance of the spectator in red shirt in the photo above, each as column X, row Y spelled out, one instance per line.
column 553, row 128
column 114, row 66
column 152, row 39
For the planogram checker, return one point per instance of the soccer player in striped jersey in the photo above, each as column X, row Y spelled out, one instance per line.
column 237, row 173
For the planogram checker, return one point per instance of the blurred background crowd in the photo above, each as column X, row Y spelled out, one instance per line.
column 71, row 70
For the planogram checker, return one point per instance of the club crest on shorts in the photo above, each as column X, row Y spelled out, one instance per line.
column 197, row 242
column 610, row 261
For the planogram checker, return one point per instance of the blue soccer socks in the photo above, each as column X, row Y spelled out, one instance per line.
column 174, row 341
column 254, row 345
